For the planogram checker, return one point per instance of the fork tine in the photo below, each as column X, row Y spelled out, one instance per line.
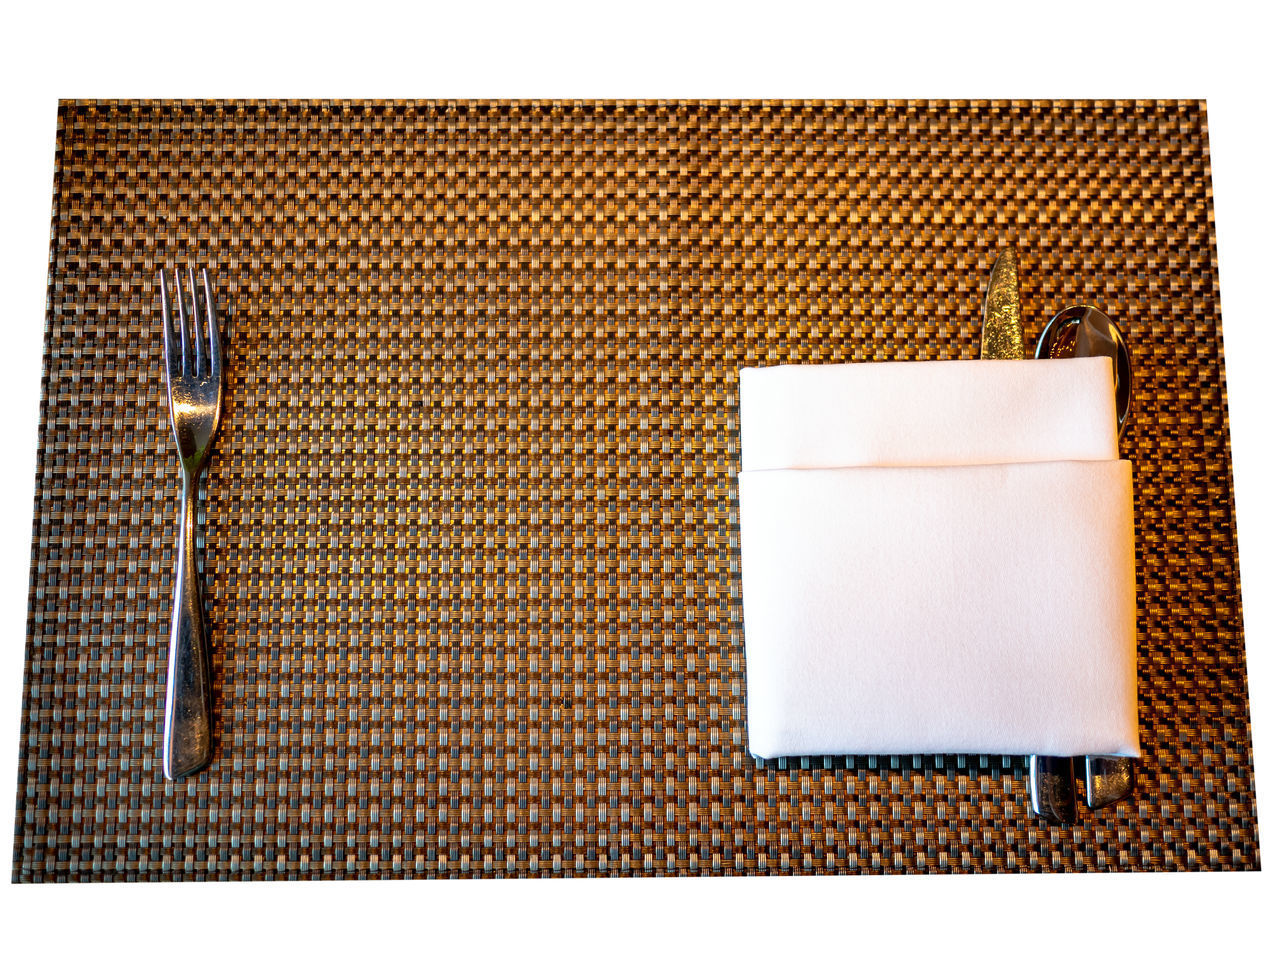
column 182, row 321
column 215, row 335
column 167, row 324
column 198, row 368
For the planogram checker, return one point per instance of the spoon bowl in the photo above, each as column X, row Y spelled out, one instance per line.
column 1085, row 331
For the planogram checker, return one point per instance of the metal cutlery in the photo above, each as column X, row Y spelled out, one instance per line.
column 193, row 377
column 1053, row 780
column 1078, row 331
column 1002, row 312
column 1084, row 331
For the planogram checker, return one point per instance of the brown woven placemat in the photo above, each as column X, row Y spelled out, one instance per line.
column 471, row 543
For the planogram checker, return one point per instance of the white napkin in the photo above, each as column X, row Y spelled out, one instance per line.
column 971, row 592
column 930, row 413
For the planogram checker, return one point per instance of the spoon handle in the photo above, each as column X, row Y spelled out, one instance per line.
column 1107, row 780
column 1084, row 331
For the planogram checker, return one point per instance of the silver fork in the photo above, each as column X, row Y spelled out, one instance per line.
column 193, row 377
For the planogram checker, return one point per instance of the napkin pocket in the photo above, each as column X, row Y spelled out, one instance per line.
column 914, row 605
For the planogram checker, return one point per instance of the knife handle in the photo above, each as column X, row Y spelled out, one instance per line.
column 1053, row 788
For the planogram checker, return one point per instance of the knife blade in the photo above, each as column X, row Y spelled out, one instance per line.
column 1002, row 312
column 1053, row 779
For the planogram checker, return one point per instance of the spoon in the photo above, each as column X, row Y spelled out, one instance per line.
column 1084, row 331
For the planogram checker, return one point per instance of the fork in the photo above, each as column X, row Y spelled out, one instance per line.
column 193, row 378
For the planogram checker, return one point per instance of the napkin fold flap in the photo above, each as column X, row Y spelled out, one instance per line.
column 927, row 413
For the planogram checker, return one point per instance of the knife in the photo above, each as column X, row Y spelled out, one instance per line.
column 1053, row 779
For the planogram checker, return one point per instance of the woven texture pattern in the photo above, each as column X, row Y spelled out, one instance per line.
column 471, row 524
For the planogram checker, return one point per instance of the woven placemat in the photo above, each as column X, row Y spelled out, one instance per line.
column 471, row 545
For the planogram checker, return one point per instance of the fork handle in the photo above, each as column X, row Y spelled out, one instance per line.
column 188, row 707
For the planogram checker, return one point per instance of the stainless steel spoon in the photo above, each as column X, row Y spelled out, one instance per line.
column 1084, row 331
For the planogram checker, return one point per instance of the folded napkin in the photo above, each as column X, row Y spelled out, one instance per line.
column 937, row 557
column 927, row 413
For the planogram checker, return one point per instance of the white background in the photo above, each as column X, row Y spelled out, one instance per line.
column 1214, row 51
